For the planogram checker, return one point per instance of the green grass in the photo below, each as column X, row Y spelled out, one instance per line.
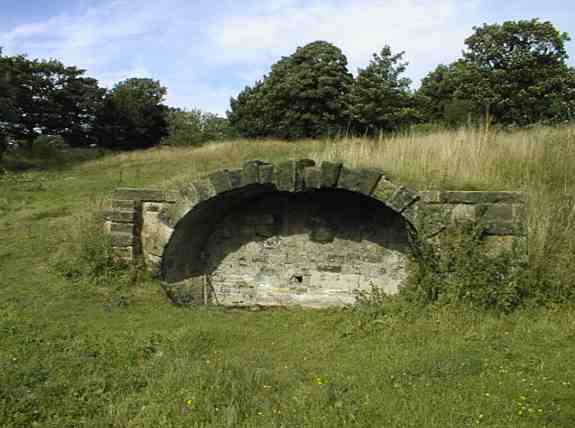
column 113, row 352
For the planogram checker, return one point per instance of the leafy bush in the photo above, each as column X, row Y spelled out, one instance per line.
column 460, row 269
column 91, row 259
column 195, row 127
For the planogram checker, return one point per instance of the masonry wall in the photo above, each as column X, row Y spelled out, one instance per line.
column 312, row 249
column 295, row 233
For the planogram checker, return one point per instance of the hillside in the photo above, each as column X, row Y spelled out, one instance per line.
column 86, row 344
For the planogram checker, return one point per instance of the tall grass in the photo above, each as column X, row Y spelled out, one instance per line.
column 538, row 161
column 114, row 353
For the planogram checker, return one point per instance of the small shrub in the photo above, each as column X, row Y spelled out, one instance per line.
column 460, row 270
column 91, row 259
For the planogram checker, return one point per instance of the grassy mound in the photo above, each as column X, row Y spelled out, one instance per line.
column 101, row 346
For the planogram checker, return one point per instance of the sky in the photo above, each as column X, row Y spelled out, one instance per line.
column 206, row 51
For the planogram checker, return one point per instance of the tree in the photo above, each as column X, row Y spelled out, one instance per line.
column 303, row 96
column 132, row 115
column 438, row 98
column 46, row 97
column 249, row 116
column 380, row 99
column 194, row 127
column 515, row 73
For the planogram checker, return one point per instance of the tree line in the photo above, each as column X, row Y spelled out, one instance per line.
column 512, row 74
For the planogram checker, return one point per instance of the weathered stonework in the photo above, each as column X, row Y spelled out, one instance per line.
column 296, row 233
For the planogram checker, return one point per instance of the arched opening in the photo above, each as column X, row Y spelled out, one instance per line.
column 257, row 246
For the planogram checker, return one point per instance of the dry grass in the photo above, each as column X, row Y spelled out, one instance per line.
column 538, row 161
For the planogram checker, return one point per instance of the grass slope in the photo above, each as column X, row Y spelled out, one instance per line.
column 75, row 352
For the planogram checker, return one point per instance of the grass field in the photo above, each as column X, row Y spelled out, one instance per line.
column 110, row 351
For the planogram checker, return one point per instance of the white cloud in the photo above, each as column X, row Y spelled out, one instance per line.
column 430, row 31
column 206, row 52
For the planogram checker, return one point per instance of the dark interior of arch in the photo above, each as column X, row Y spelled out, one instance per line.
column 317, row 248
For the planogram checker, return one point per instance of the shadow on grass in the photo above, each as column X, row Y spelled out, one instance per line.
column 48, row 158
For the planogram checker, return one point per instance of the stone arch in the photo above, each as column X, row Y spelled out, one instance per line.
column 190, row 224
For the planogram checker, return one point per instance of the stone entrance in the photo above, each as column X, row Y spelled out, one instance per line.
column 312, row 249
column 295, row 233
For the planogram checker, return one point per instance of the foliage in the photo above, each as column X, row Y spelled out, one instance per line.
column 87, row 352
column 303, row 96
column 248, row 115
column 514, row 72
column 132, row 115
column 438, row 99
column 46, row 97
column 380, row 99
column 194, row 127
column 460, row 269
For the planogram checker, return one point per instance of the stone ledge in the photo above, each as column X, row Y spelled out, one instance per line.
column 472, row 197
column 127, row 193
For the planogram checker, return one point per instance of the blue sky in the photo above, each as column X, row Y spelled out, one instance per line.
column 206, row 51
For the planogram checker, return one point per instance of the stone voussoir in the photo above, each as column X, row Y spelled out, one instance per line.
column 220, row 181
column 204, row 189
column 289, row 176
column 359, row 180
column 250, row 173
column 312, row 177
column 330, row 172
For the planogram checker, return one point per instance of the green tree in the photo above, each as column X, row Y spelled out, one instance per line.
column 515, row 65
column 132, row 115
column 437, row 95
column 380, row 99
column 303, row 96
column 46, row 97
column 248, row 116
column 515, row 73
column 194, row 127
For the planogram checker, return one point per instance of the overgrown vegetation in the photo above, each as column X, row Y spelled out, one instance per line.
column 511, row 74
column 84, row 342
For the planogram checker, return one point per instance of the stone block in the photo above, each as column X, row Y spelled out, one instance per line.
column 205, row 189
column 188, row 292
column 122, row 227
column 430, row 197
column 384, row 191
column 463, row 213
column 480, row 197
column 235, row 177
column 120, row 216
column 312, row 177
column 121, row 239
column 289, row 176
column 266, row 174
column 220, row 181
column 359, row 180
column 330, row 173
column 432, row 219
column 127, row 205
column 250, row 173
column 123, row 253
column 126, row 193
column 403, row 198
